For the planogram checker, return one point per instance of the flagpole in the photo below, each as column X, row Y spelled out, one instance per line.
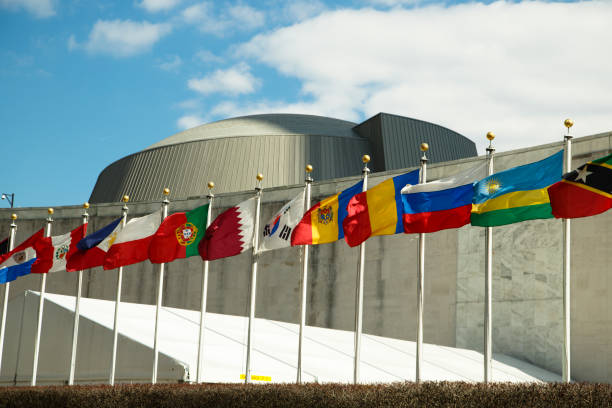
column 253, row 288
column 359, row 285
column 77, row 303
column 43, row 284
column 304, row 278
column 488, row 316
column 160, row 292
column 111, row 379
column 421, row 276
column 567, row 166
column 7, row 287
column 199, row 373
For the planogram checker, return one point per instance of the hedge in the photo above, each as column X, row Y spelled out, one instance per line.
column 429, row 394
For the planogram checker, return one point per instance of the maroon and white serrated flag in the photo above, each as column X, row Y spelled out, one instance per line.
column 231, row 233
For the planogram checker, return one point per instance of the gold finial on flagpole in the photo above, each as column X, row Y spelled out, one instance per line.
column 568, row 123
column 259, row 177
column 424, row 147
column 13, row 217
column 308, row 168
column 166, row 191
column 50, row 211
column 490, row 137
column 211, row 185
column 85, row 205
column 366, row 158
column 125, row 198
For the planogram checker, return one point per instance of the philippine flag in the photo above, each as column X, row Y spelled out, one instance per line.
column 441, row 204
column 93, row 248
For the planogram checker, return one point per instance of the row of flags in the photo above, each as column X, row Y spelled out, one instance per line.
column 397, row 205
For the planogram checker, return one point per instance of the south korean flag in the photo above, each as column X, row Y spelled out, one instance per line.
column 277, row 233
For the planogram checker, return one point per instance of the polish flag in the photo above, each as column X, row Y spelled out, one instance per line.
column 53, row 252
column 132, row 243
column 231, row 233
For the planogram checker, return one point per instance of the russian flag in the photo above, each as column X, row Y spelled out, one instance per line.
column 441, row 204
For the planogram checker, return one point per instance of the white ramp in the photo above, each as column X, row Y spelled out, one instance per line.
column 328, row 354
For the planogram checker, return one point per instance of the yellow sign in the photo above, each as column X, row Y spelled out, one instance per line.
column 257, row 377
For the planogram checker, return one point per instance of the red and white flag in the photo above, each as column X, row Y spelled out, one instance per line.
column 53, row 252
column 231, row 233
column 132, row 243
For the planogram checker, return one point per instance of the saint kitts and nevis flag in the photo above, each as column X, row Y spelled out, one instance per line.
column 583, row 192
column 179, row 235
column 377, row 211
column 517, row 194
column 323, row 222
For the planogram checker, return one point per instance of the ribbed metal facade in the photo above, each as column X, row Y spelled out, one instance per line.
column 231, row 152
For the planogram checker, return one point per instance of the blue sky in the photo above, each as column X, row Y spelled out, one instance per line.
column 84, row 83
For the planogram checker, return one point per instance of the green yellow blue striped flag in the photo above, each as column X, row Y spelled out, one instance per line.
column 516, row 194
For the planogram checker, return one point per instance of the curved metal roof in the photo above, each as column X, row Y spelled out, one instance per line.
column 276, row 124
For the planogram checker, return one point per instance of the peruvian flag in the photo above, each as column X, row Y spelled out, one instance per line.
column 52, row 252
column 231, row 233
column 132, row 243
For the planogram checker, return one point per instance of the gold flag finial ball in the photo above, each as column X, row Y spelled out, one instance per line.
column 366, row 158
column 490, row 135
column 126, row 198
column 424, row 147
column 13, row 217
column 259, row 176
column 568, row 123
column 85, row 205
column 50, row 211
column 308, row 168
column 166, row 191
column 211, row 185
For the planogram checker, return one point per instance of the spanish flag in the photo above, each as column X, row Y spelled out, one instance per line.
column 516, row 194
column 377, row 211
column 323, row 222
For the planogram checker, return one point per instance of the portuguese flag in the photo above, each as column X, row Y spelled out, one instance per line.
column 583, row 192
column 178, row 236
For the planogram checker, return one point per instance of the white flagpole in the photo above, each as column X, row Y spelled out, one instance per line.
column 43, row 284
column 488, row 316
column 7, row 287
column 77, row 302
column 160, row 292
column 567, row 167
column 111, row 379
column 199, row 373
column 421, row 276
column 359, row 285
column 303, row 279
column 253, row 287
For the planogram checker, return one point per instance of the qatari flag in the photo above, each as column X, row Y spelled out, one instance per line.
column 231, row 233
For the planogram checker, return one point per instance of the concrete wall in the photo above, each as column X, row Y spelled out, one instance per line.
column 527, row 275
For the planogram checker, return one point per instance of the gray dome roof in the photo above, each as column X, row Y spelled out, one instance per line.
column 264, row 125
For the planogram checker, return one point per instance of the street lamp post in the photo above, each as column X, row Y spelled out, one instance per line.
column 10, row 197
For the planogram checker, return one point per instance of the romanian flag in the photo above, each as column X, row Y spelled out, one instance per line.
column 377, row 211
column 517, row 194
column 323, row 222
column 583, row 192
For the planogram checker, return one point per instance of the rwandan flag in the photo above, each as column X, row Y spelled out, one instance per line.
column 583, row 192
column 377, row 211
column 517, row 194
column 323, row 222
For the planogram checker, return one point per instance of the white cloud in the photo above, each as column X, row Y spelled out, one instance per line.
column 223, row 21
column 172, row 63
column 154, row 6
column 189, row 121
column 302, row 9
column 122, row 38
column 234, row 81
column 517, row 69
column 38, row 8
column 208, row 57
